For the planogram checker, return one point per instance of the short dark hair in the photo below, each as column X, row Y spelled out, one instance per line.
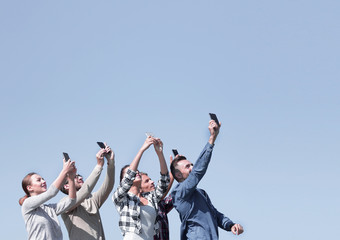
column 122, row 172
column 174, row 164
column 63, row 189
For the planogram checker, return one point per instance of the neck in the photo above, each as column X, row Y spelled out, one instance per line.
column 135, row 190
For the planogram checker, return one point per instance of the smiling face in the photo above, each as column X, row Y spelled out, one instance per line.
column 147, row 184
column 37, row 185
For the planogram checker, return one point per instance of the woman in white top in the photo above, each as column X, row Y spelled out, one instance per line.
column 137, row 212
column 41, row 219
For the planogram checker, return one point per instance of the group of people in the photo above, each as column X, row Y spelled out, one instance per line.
column 142, row 206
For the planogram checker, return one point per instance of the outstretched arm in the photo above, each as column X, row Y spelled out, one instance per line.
column 200, row 167
column 104, row 191
column 91, row 181
column 130, row 174
column 134, row 164
column 158, row 144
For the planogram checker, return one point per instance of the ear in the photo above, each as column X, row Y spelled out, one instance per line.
column 29, row 188
column 178, row 175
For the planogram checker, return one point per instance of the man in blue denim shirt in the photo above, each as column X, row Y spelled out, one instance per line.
column 200, row 219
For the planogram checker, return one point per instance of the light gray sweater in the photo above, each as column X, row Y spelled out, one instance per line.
column 84, row 221
column 41, row 219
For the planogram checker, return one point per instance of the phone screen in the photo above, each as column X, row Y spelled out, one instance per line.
column 101, row 145
column 214, row 117
column 66, row 156
column 175, row 152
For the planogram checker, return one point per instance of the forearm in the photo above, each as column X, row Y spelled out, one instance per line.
column 134, row 164
column 212, row 139
column 162, row 163
column 60, row 179
column 72, row 188
column 104, row 191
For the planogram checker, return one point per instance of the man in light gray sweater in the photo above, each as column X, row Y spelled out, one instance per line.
column 83, row 220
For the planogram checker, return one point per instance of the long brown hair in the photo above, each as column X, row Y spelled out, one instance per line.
column 25, row 182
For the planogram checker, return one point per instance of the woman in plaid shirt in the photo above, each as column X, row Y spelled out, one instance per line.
column 138, row 213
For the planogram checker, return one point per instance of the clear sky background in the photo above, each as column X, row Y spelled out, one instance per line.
column 77, row 72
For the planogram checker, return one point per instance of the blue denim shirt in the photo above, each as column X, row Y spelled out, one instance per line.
column 200, row 219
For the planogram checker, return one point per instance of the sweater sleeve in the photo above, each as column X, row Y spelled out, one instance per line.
column 102, row 194
column 33, row 202
column 64, row 204
column 88, row 185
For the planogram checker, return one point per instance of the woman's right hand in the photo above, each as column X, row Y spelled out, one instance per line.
column 148, row 142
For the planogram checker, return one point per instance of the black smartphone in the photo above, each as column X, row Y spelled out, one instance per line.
column 214, row 117
column 66, row 156
column 101, row 145
column 175, row 152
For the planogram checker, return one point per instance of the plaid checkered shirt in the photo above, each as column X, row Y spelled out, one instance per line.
column 128, row 204
column 164, row 207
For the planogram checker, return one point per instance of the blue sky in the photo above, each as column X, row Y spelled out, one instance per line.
column 77, row 72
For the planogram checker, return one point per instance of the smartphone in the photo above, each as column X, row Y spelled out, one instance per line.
column 175, row 152
column 149, row 134
column 101, row 144
column 214, row 117
column 66, row 156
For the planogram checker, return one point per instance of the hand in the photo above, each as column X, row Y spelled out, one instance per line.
column 237, row 229
column 158, row 145
column 69, row 166
column 214, row 129
column 110, row 155
column 72, row 174
column 148, row 142
column 100, row 156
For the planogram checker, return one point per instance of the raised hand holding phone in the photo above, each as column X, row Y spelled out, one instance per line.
column 214, row 117
column 66, row 156
column 101, row 144
column 175, row 152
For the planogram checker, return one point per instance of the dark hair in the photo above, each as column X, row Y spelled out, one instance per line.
column 25, row 182
column 174, row 164
column 63, row 189
column 122, row 171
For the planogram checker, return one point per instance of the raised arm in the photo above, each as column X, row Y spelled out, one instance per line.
column 158, row 144
column 148, row 142
column 67, row 167
column 66, row 203
column 104, row 191
column 130, row 174
column 91, row 181
column 187, row 187
column 35, row 201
